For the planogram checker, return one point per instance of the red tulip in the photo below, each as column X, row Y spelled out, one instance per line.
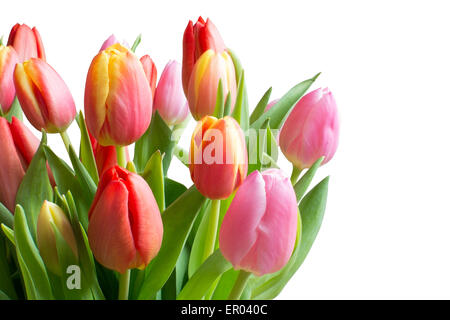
column 44, row 96
column 27, row 42
column 125, row 228
column 18, row 145
column 118, row 99
column 150, row 72
column 8, row 61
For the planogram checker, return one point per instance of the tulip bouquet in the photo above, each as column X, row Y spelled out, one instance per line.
column 107, row 226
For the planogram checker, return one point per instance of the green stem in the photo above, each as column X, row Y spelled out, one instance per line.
column 124, row 285
column 213, row 222
column 66, row 140
column 295, row 174
column 121, row 156
column 239, row 285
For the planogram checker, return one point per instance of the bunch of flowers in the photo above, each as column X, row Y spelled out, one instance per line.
column 107, row 226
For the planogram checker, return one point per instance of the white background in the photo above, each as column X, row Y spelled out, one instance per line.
column 386, row 232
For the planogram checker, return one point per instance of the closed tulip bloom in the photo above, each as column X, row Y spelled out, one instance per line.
column 311, row 130
column 44, row 96
column 150, row 72
column 18, row 145
column 259, row 229
column 169, row 96
column 118, row 99
column 8, row 60
column 205, row 62
column 51, row 216
column 27, row 42
column 125, row 228
column 218, row 157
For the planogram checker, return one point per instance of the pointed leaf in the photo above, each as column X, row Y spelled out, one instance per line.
column 281, row 109
column 154, row 175
column 261, row 106
column 6, row 216
column 86, row 152
column 302, row 185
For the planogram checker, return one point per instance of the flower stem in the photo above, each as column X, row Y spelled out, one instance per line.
column 213, row 222
column 239, row 285
column 66, row 140
column 124, row 285
column 295, row 174
column 121, row 156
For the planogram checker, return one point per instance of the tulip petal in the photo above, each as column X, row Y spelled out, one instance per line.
column 109, row 232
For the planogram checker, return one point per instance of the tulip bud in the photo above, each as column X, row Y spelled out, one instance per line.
column 8, row 60
column 311, row 130
column 125, row 228
column 51, row 216
column 150, row 72
column 105, row 156
column 27, row 42
column 118, row 99
column 205, row 62
column 259, row 229
column 18, row 145
column 218, row 157
column 169, row 97
column 44, row 96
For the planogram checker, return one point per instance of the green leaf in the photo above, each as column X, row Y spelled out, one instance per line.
column 154, row 175
column 4, row 296
column 261, row 136
column 136, row 43
column 157, row 137
column 204, row 277
column 86, row 152
column 236, row 62
column 281, row 109
column 6, row 284
column 6, row 216
column 172, row 190
column 312, row 209
column 261, row 106
column 219, row 108
column 15, row 111
column 227, row 108
column 177, row 219
column 35, row 187
column 66, row 180
column 225, row 285
column 9, row 233
column 86, row 182
column 240, row 111
column 302, row 185
column 29, row 252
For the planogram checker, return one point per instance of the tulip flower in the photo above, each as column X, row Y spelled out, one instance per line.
column 51, row 216
column 169, row 97
column 8, row 60
column 118, row 99
column 18, row 145
column 218, row 157
column 259, row 229
column 311, row 130
column 205, row 63
column 150, row 72
column 27, row 42
column 125, row 228
column 105, row 156
column 44, row 96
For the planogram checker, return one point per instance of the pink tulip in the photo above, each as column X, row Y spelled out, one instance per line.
column 44, row 96
column 218, row 156
column 118, row 100
column 259, row 229
column 109, row 42
column 18, row 145
column 150, row 71
column 125, row 227
column 169, row 96
column 311, row 130
column 8, row 60
column 27, row 42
